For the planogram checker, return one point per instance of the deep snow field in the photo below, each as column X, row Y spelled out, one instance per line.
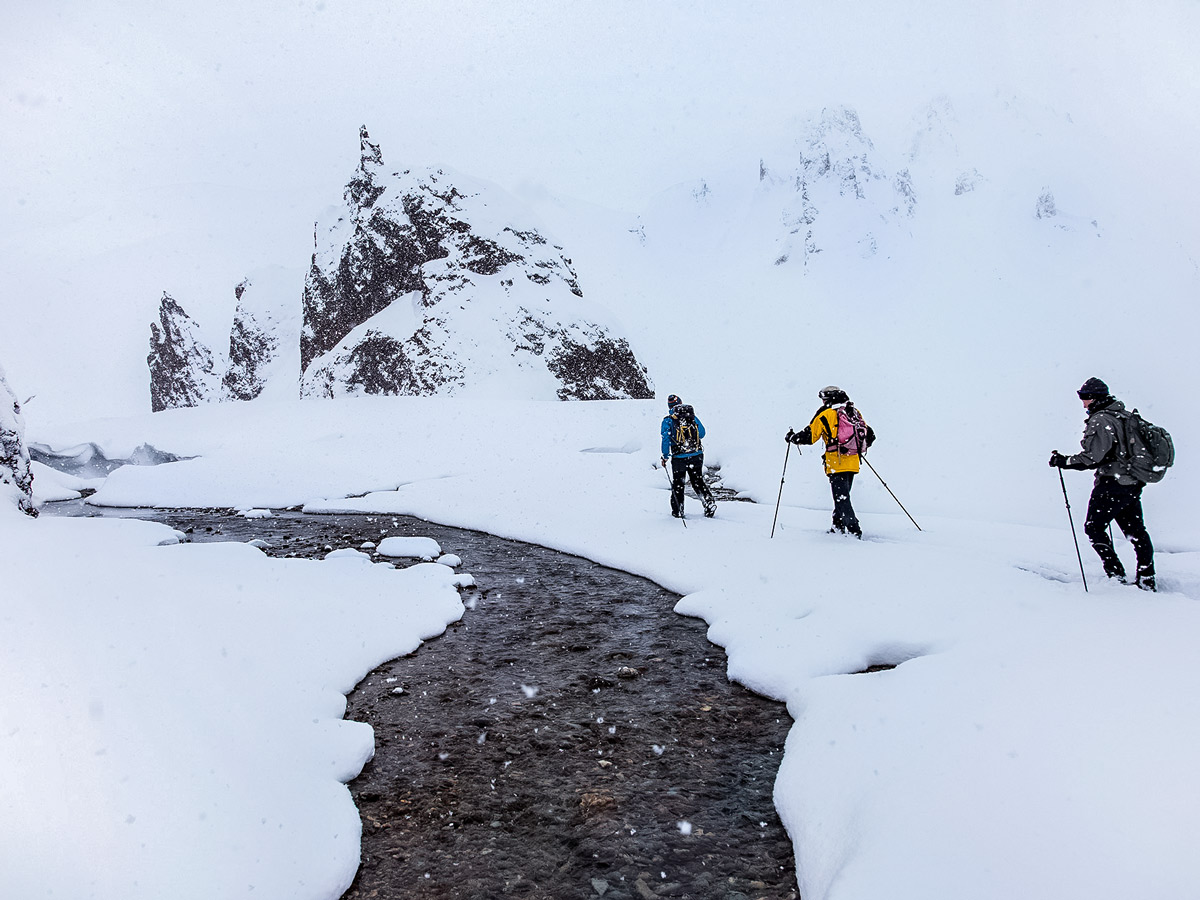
column 957, row 212
column 1033, row 740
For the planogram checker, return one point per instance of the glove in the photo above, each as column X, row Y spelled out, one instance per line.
column 790, row 437
column 1057, row 460
column 664, row 462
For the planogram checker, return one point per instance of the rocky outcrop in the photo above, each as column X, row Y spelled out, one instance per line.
column 264, row 338
column 427, row 283
column 421, row 283
column 16, row 477
column 251, row 347
column 182, row 371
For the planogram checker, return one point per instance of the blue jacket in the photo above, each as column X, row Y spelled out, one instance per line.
column 666, row 439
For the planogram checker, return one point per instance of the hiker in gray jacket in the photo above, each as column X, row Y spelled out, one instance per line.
column 1117, row 494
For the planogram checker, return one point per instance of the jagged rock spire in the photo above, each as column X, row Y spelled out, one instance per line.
column 369, row 152
column 419, row 287
column 181, row 364
column 363, row 189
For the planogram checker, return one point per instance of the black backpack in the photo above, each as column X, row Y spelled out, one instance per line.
column 1147, row 448
column 685, row 433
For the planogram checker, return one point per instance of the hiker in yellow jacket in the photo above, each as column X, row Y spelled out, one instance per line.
column 847, row 436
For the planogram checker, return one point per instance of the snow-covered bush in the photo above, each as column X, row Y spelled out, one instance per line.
column 16, row 478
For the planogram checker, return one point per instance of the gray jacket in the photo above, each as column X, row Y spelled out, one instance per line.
column 1103, row 440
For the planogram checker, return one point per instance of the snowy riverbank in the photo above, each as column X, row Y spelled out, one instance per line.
column 1032, row 741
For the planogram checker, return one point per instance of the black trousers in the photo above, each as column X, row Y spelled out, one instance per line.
column 690, row 467
column 1122, row 503
column 844, row 518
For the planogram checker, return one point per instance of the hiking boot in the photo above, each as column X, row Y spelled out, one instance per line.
column 1146, row 583
column 710, row 509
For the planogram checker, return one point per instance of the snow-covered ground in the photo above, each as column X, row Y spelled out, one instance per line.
column 957, row 212
column 1033, row 740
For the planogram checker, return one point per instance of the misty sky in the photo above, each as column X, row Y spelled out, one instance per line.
column 608, row 101
column 155, row 144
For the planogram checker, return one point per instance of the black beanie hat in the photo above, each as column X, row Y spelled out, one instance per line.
column 673, row 401
column 1094, row 388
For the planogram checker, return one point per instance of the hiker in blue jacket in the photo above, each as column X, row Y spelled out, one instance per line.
column 681, row 434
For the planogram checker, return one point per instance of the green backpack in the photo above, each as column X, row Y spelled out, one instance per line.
column 1147, row 448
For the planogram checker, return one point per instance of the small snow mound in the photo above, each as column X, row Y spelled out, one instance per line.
column 259, row 543
column 348, row 553
column 464, row 581
column 256, row 513
column 449, row 559
column 367, row 545
column 410, row 548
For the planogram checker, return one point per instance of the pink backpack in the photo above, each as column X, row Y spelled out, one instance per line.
column 851, row 431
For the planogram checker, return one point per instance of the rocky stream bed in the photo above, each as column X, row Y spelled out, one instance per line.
column 570, row 737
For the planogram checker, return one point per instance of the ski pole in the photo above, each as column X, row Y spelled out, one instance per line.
column 889, row 490
column 779, row 499
column 1070, row 519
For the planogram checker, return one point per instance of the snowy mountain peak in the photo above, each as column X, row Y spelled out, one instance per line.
column 427, row 282
column 835, row 190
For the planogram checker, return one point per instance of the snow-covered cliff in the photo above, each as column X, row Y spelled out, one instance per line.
column 425, row 282
column 264, row 340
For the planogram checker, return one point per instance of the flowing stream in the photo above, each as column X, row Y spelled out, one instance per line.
column 571, row 737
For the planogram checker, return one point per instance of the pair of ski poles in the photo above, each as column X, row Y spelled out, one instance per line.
column 863, row 457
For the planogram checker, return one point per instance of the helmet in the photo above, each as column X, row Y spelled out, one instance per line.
column 673, row 401
column 831, row 394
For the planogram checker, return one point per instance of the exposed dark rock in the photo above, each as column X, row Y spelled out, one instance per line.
column 602, row 371
column 423, row 286
column 181, row 364
column 249, row 348
column 16, row 476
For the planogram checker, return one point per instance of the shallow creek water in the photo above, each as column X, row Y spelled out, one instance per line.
column 571, row 736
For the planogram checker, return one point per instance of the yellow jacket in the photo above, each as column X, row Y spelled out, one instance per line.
column 824, row 427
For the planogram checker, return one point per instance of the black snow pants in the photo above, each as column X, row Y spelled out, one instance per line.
column 690, row 467
column 1122, row 503
column 844, row 518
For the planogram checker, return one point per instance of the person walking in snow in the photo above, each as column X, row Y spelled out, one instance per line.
column 682, row 432
column 847, row 436
column 1116, row 492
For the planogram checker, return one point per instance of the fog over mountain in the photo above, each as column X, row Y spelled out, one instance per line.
column 214, row 136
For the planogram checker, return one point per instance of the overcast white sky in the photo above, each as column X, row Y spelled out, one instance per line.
column 605, row 100
column 161, row 135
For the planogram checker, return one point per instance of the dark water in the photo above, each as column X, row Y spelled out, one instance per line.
column 571, row 737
